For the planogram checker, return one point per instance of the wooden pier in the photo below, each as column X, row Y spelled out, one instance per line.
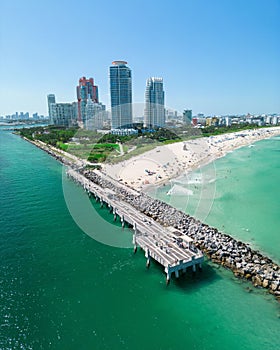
column 166, row 245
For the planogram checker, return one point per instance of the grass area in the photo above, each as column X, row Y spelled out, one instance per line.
column 98, row 148
column 95, row 153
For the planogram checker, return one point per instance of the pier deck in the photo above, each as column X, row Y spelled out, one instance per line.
column 168, row 246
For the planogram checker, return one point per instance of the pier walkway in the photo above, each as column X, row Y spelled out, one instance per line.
column 166, row 245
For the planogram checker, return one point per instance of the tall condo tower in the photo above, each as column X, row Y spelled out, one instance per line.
column 86, row 89
column 51, row 101
column 121, row 95
column 154, row 115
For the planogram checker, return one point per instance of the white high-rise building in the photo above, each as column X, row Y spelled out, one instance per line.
column 51, row 101
column 63, row 114
column 154, row 115
column 95, row 115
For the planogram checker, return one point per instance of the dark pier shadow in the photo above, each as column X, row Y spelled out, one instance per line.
column 187, row 282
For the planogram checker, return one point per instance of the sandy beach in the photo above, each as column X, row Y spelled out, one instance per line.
column 169, row 161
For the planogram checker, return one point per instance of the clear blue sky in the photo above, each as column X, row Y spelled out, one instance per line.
column 215, row 56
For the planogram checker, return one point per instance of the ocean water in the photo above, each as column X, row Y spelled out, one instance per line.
column 61, row 289
column 239, row 194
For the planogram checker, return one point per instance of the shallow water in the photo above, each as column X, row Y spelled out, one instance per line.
column 241, row 193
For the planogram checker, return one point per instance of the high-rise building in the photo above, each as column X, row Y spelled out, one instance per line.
column 51, row 100
column 187, row 116
column 64, row 114
column 154, row 115
column 86, row 89
column 121, row 95
column 95, row 115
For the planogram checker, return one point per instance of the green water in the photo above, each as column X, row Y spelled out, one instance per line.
column 60, row 289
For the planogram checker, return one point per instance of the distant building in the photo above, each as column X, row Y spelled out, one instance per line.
column 35, row 116
column 154, row 115
column 124, row 132
column 211, row 121
column 86, row 89
column 200, row 115
column 194, row 121
column 187, row 116
column 171, row 115
column 121, row 95
column 51, row 100
column 24, row 116
column 198, row 121
column 64, row 114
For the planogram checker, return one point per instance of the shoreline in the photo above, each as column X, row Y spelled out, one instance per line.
column 167, row 162
column 222, row 249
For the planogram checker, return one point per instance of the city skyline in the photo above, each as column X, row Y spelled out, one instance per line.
column 216, row 58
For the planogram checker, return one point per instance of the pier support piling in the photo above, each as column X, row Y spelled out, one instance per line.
column 122, row 221
column 167, row 279
column 147, row 255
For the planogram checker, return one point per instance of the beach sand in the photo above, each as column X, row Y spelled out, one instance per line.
column 169, row 161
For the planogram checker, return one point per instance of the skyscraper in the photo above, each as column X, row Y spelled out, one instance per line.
column 187, row 116
column 85, row 89
column 154, row 115
column 121, row 95
column 95, row 115
column 51, row 100
column 64, row 114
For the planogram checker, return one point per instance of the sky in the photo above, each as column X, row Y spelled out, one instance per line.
column 215, row 56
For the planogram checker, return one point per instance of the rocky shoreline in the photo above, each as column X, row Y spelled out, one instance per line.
column 221, row 248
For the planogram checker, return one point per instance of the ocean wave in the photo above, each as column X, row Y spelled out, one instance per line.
column 179, row 191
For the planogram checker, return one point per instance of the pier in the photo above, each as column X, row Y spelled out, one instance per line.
column 170, row 247
column 221, row 248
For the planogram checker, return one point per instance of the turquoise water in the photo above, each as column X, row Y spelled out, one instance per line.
column 242, row 193
column 60, row 289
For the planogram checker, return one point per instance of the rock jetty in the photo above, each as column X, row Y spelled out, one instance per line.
column 219, row 247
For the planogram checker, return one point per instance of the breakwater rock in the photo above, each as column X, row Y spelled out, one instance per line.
column 219, row 247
